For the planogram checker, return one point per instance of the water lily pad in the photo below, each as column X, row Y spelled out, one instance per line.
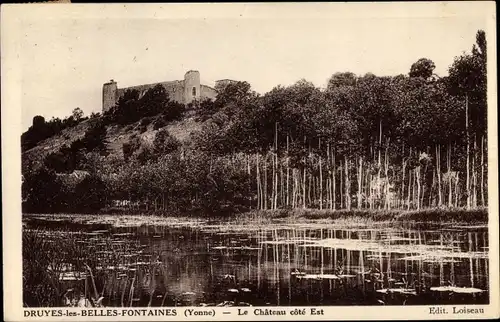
column 455, row 289
column 93, row 233
column 72, row 276
column 297, row 273
column 226, row 303
column 244, row 304
column 319, row 277
column 405, row 291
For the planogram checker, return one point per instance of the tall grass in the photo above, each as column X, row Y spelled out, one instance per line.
column 44, row 260
column 434, row 215
column 74, row 269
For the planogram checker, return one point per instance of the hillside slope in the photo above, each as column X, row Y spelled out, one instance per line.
column 116, row 135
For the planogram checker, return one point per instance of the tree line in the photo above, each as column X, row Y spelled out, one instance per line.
column 402, row 142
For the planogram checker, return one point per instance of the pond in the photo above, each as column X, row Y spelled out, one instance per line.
column 277, row 264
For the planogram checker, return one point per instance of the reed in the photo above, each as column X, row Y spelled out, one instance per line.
column 433, row 215
column 69, row 269
column 50, row 264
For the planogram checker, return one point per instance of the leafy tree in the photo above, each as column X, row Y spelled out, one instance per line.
column 77, row 114
column 126, row 110
column 89, row 195
column 154, row 101
column 468, row 80
column 206, row 109
column 65, row 160
column 479, row 48
column 427, row 114
column 173, row 111
column 41, row 190
column 423, row 67
column 233, row 94
column 95, row 138
column 371, row 105
column 341, row 79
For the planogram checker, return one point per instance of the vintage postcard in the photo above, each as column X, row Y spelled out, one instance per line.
column 279, row 161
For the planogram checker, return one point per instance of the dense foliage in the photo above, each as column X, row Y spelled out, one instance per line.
column 41, row 130
column 132, row 107
column 368, row 142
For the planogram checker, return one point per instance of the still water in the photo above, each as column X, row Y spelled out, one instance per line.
column 284, row 264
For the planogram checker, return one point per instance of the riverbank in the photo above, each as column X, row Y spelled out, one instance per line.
column 477, row 216
column 433, row 215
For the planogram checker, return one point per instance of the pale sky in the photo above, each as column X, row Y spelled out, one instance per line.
column 66, row 56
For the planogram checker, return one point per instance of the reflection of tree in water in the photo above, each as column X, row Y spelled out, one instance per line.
column 286, row 265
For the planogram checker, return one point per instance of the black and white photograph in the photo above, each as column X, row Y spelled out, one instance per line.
column 267, row 160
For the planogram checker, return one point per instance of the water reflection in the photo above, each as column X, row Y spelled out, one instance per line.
column 286, row 265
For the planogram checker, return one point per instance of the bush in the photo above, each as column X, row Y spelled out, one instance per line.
column 164, row 143
column 159, row 123
column 42, row 191
column 42, row 130
column 173, row 111
column 89, row 195
column 145, row 121
column 129, row 148
column 95, row 138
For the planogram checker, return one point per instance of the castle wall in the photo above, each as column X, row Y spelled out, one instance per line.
column 119, row 93
column 181, row 91
column 175, row 90
column 207, row 92
column 222, row 83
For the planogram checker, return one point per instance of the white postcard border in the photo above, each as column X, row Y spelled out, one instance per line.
column 12, row 16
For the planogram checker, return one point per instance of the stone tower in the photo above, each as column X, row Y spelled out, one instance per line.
column 108, row 95
column 191, row 86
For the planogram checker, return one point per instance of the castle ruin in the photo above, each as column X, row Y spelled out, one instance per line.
column 182, row 91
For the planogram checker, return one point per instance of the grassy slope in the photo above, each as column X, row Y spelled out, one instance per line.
column 54, row 143
column 116, row 136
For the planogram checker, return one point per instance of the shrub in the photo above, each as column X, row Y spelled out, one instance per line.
column 164, row 143
column 42, row 191
column 159, row 123
column 145, row 121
